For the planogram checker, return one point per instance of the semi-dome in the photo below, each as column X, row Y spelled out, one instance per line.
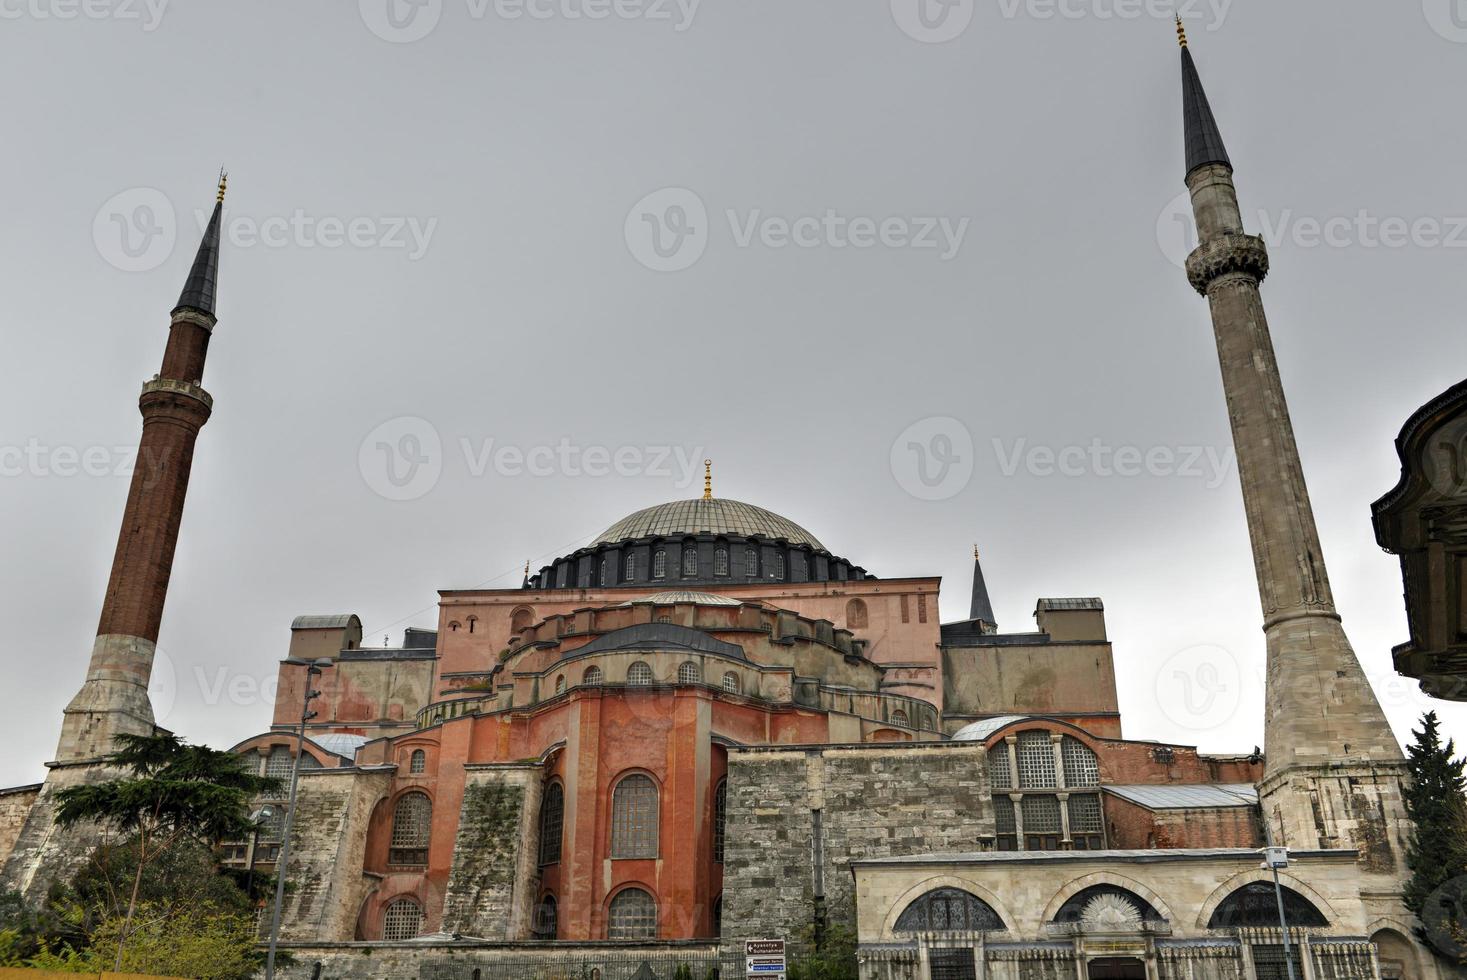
column 675, row 596
column 707, row 516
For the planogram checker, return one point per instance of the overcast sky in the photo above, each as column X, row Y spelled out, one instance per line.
column 476, row 231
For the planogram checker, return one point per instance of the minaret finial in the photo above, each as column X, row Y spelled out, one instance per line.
column 1181, row 31
column 975, row 552
column 223, row 183
column 707, row 479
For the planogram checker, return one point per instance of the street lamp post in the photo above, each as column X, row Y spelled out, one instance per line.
column 1275, row 858
column 313, row 670
column 258, row 817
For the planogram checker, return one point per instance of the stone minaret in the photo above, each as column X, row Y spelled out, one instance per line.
column 114, row 698
column 1333, row 770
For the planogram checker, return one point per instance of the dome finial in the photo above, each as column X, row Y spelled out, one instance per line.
column 975, row 552
column 1181, row 31
column 707, row 479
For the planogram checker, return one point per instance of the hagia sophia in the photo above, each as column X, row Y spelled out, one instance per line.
column 710, row 725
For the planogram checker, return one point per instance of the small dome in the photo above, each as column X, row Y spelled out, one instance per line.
column 707, row 516
column 981, row 731
column 678, row 595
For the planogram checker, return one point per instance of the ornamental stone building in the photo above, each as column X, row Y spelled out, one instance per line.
column 706, row 726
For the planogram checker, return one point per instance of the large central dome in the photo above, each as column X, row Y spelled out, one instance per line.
column 707, row 516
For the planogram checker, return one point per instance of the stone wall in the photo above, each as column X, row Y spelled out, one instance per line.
column 797, row 816
column 491, row 889
column 327, row 848
column 15, row 807
column 492, row 961
column 42, row 853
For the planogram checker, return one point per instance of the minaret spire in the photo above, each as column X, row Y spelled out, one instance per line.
column 1323, row 723
column 114, row 698
column 981, row 609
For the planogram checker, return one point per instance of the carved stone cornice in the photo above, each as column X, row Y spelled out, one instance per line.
column 185, row 388
column 1227, row 254
column 185, row 315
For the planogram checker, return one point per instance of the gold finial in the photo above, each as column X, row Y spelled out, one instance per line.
column 223, row 183
column 527, row 568
column 1181, row 31
column 975, row 552
column 707, row 479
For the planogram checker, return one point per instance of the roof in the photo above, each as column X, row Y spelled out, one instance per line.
column 324, row 622
column 707, row 516
column 1204, row 141
column 681, row 595
column 1066, row 605
column 1196, row 796
column 659, row 636
column 1152, row 856
column 980, row 731
column 201, row 285
column 343, row 745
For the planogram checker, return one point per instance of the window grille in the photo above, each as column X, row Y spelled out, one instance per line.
column 634, row 818
column 952, row 964
column 659, row 564
column 720, row 561
column 605, row 570
column 1041, row 814
column 272, row 827
column 631, row 568
column 1003, row 815
column 552, row 823
column 1000, row 776
column 279, row 763
column 412, row 820
column 948, row 910
column 1269, row 962
column 720, row 819
column 731, row 682
column 560, row 684
column 591, row 677
column 547, row 920
column 690, row 562
column 776, row 567
column 417, row 762
column 1255, row 904
column 899, row 717
column 1085, row 814
column 633, row 916
column 1081, row 766
column 751, row 563
column 402, row 920
column 688, row 673
column 639, row 674
column 1036, row 761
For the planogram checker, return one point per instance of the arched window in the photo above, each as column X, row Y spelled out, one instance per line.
column 473, row 621
column 552, row 823
column 1109, row 905
column 547, row 919
column 720, row 561
column 591, row 677
column 718, row 916
column 776, row 567
column 690, row 562
column 1081, row 766
column 402, row 920
column 634, row 821
column 453, row 626
column 639, row 674
column 418, row 762
column 720, row 819
column 856, row 615
column 751, row 563
column 412, row 819
column 1254, row 904
column 631, row 568
column 688, row 673
column 605, row 571
column 633, row 915
column 899, row 717
column 659, row 563
column 948, row 910
column 560, row 684
column 521, row 620
column 731, row 682
column 1036, row 760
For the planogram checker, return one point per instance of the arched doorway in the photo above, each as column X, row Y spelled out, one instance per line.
column 1116, row 968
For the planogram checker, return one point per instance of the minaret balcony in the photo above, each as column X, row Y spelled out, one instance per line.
column 1231, row 253
column 173, row 386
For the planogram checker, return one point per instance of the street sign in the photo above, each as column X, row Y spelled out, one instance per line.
column 764, row 958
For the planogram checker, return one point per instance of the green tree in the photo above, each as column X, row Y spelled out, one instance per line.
column 1436, row 802
column 170, row 792
column 184, row 942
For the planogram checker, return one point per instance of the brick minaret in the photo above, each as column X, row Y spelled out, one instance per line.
column 114, row 697
column 1333, row 772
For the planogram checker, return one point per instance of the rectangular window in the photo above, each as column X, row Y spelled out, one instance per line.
column 1084, row 815
column 922, row 607
column 1041, row 814
column 1269, row 963
column 952, row 964
column 906, row 610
